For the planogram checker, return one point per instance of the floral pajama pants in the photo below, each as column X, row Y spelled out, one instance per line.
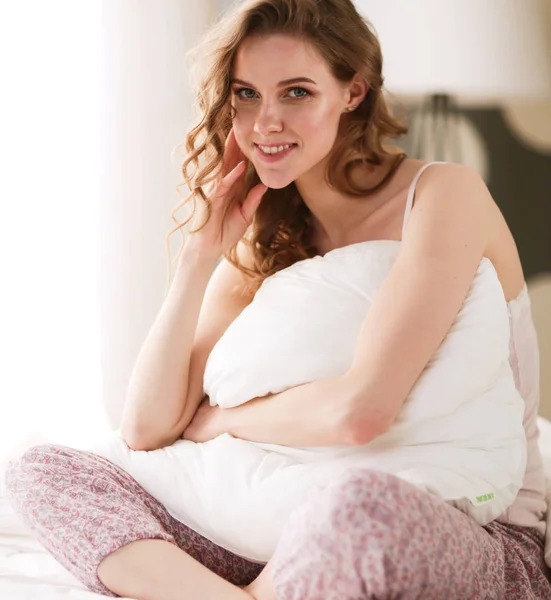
column 364, row 535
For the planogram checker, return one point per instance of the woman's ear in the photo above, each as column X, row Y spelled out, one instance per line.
column 357, row 91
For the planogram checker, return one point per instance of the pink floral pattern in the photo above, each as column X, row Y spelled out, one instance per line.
column 81, row 508
column 369, row 535
column 364, row 535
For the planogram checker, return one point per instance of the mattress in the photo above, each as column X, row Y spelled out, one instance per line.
column 28, row 572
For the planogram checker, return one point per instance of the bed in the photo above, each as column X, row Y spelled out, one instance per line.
column 28, row 572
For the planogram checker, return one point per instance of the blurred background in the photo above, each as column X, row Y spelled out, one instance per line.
column 95, row 100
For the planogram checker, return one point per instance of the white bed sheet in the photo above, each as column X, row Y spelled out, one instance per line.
column 28, row 572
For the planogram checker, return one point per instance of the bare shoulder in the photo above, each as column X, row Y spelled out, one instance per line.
column 452, row 197
column 447, row 176
column 463, row 194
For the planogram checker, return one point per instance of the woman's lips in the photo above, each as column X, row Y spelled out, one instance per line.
column 271, row 158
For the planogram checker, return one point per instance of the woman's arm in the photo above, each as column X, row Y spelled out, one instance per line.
column 166, row 385
column 446, row 237
column 443, row 243
column 158, row 384
column 313, row 414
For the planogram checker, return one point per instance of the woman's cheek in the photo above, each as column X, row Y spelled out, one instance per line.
column 240, row 128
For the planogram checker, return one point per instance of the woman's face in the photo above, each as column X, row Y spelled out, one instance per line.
column 271, row 110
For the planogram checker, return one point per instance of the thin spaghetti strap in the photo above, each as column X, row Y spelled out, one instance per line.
column 411, row 192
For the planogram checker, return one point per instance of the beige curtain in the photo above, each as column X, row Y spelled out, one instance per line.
column 96, row 100
column 50, row 378
column 147, row 112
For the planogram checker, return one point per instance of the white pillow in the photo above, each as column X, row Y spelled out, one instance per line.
column 460, row 430
column 459, row 434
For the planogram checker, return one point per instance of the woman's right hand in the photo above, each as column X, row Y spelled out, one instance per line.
column 220, row 233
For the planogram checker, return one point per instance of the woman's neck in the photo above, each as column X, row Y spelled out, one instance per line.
column 336, row 216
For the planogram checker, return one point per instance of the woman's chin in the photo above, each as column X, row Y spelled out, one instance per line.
column 277, row 186
column 273, row 182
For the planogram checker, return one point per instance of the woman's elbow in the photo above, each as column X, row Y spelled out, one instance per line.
column 145, row 442
column 135, row 442
column 363, row 421
column 359, row 431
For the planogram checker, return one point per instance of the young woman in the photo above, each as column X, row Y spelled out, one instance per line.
column 295, row 169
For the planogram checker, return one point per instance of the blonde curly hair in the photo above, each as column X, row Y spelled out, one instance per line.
column 280, row 233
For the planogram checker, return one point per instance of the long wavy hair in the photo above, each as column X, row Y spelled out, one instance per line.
column 280, row 233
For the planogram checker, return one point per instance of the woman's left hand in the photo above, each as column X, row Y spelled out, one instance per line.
column 207, row 423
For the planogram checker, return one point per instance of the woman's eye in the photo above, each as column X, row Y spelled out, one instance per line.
column 248, row 94
column 239, row 92
column 302, row 90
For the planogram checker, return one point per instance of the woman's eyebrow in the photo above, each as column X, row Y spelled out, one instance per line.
column 281, row 83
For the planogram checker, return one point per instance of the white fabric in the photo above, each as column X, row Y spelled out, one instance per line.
column 544, row 442
column 459, row 434
column 530, row 506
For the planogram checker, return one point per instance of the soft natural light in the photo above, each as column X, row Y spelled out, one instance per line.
column 50, row 385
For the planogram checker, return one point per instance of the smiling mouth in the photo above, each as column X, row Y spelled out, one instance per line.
column 274, row 150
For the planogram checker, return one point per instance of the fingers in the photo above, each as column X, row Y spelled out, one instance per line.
column 252, row 201
column 232, row 154
column 230, row 141
column 230, row 179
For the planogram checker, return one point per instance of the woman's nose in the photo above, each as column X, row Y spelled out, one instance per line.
column 267, row 120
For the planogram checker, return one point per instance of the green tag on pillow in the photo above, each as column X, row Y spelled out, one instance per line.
column 484, row 498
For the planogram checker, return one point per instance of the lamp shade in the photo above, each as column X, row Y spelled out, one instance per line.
column 480, row 51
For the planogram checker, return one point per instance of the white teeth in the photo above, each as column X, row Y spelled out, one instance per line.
column 274, row 149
